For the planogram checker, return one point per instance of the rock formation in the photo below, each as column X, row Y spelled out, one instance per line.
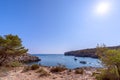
column 28, row 58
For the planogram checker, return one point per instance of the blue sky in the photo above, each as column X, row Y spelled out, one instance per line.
column 56, row 26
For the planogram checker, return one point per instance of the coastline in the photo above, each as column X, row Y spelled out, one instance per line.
column 90, row 52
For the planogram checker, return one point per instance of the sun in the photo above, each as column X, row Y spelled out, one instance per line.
column 102, row 8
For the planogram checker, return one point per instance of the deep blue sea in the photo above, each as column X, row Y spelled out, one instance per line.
column 68, row 61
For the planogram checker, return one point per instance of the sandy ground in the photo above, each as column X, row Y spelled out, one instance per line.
column 17, row 74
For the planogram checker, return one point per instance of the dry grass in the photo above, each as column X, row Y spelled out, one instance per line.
column 43, row 72
column 79, row 71
column 4, row 71
column 34, row 66
column 26, row 68
column 58, row 69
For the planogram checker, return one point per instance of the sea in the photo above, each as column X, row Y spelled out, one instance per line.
column 70, row 62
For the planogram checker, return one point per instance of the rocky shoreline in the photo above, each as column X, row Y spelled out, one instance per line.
column 27, row 58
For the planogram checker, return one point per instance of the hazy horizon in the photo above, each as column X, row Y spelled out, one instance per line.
column 57, row 26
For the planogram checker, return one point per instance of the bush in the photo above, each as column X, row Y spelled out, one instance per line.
column 43, row 72
column 95, row 73
column 26, row 68
column 34, row 66
column 79, row 71
column 108, row 74
column 14, row 64
column 111, row 59
column 58, row 69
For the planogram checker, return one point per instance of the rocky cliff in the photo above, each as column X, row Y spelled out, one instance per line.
column 86, row 52
column 28, row 58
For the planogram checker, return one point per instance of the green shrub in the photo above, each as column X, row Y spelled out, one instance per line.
column 79, row 71
column 108, row 74
column 111, row 59
column 95, row 74
column 43, row 72
column 34, row 66
column 14, row 64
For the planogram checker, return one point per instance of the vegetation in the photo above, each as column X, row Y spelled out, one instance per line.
column 14, row 64
column 108, row 74
column 110, row 59
column 43, row 72
column 26, row 68
column 79, row 71
column 10, row 46
column 58, row 68
column 34, row 66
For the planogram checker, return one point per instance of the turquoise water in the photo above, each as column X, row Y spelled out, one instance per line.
column 68, row 61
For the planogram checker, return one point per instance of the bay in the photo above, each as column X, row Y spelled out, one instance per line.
column 70, row 62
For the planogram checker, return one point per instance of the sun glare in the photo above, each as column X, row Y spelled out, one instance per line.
column 102, row 8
